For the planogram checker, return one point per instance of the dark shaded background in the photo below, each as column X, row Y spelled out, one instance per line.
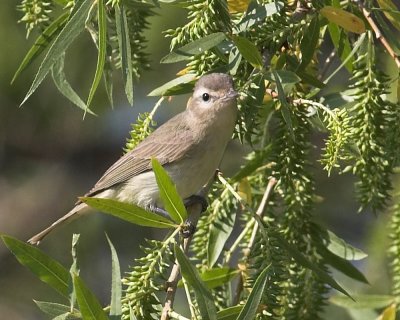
column 49, row 155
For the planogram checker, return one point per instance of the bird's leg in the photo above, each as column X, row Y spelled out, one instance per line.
column 160, row 211
column 196, row 199
column 189, row 227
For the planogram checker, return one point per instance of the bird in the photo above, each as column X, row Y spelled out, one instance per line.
column 189, row 146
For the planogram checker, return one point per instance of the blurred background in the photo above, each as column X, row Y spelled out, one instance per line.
column 49, row 156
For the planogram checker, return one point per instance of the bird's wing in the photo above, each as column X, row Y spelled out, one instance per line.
column 170, row 142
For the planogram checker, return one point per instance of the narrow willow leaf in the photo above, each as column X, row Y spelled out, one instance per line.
column 124, row 50
column 389, row 313
column 341, row 248
column 45, row 268
column 194, row 48
column 302, row 260
column 391, row 12
column 41, row 43
column 216, row 277
column 74, row 269
column 57, row 309
column 230, row 313
column 72, row 29
column 363, row 301
column 107, row 76
column 62, row 84
column 128, row 212
column 116, row 285
column 285, row 77
column 169, row 195
column 309, row 42
column 220, row 231
column 344, row 19
column 342, row 44
column 249, row 51
column 102, row 46
column 182, row 84
column 257, row 14
column 250, row 308
column 89, row 306
column 284, row 104
column 342, row 265
column 204, row 299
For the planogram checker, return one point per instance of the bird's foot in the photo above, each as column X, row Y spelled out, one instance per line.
column 196, row 199
column 188, row 229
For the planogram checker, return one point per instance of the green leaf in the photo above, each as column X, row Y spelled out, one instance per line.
column 116, row 285
column 124, row 50
column 342, row 265
column 128, row 212
column 257, row 13
column 57, row 309
column 67, row 35
column 194, row 48
column 203, row 296
column 363, row 301
column 302, row 260
column 89, row 306
column 74, row 269
column 62, row 84
column 342, row 44
column 220, row 230
column 45, row 268
column 391, row 12
column 250, row 308
column 341, row 248
column 285, row 77
column 216, row 277
column 249, row 51
column 287, row 117
column 41, row 43
column 309, row 42
column 168, row 193
column 230, row 313
column 180, row 85
column 102, row 46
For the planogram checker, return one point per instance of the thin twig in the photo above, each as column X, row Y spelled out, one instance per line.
column 378, row 33
column 194, row 212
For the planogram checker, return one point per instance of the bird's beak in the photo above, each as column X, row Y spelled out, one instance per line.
column 231, row 94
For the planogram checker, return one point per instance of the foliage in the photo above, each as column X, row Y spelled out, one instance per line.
column 279, row 266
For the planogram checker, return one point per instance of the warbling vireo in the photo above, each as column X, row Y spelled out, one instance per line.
column 189, row 146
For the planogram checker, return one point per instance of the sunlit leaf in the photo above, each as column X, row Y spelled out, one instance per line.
column 57, row 309
column 89, row 306
column 230, row 313
column 169, row 195
column 363, row 301
column 203, row 296
column 309, row 43
column 62, row 84
column 251, row 306
column 249, row 51
column 102, row 46
column 124, row 50
column 194, row 48
column 41, row 43
column 344, row 19
column 116, row 285
column 128, row 212
column 182, row 84
column 67, row 35
column 45, row 268
column 391, row 12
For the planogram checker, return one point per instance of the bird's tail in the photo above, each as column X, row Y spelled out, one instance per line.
column 76, row 212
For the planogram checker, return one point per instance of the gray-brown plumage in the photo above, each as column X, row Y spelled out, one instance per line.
column 190, row 147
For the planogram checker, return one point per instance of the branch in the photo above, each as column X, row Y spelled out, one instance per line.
column 378, row 33
column 194, row 212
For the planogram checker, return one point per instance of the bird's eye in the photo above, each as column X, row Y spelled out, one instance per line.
column 206, row 97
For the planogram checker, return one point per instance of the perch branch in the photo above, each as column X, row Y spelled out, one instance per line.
column 378, row 33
